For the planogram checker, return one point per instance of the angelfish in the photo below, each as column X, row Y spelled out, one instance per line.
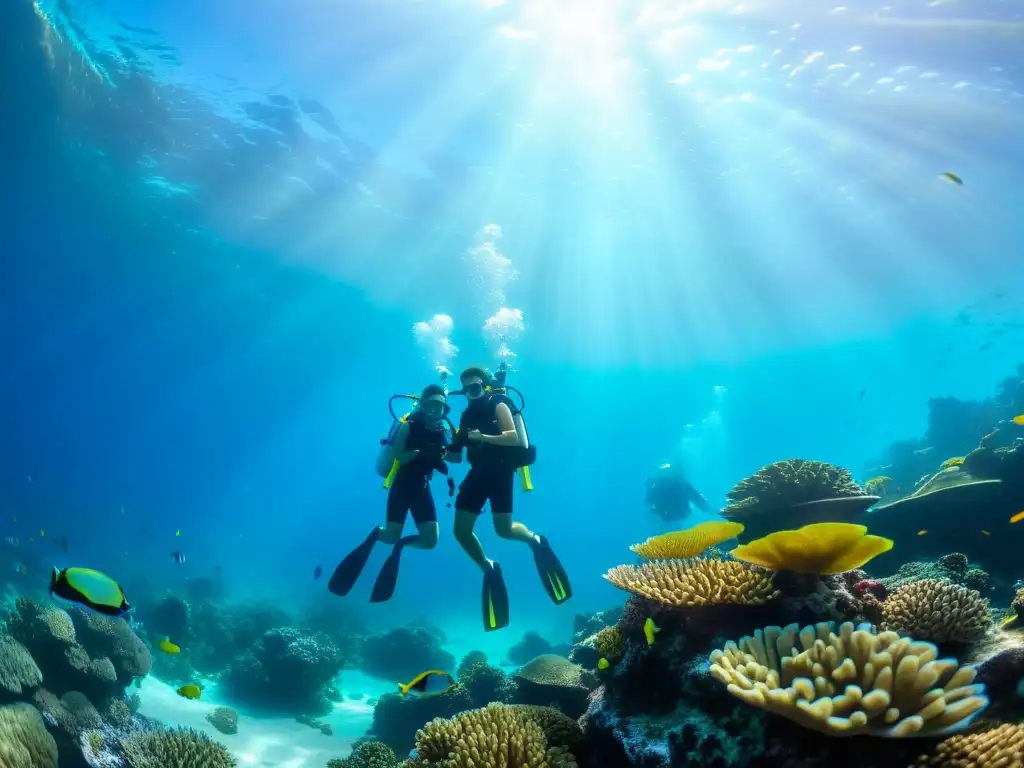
column 90, row 588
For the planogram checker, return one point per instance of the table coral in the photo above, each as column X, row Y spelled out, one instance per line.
column 853, row 682
column 788, row 483
column 819, row 548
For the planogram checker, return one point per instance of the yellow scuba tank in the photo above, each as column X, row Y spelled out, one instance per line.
column 528, row 452
column 387, row 465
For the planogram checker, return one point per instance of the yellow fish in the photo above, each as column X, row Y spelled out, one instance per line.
column 650, row 630
column 178, row 532
column 190, row 691
column 168, row 647
column 431, row 681
column 985, row 533
column 1017, row 518
column 42, row 532
column 1018, row 420
column 951, row 177
column 922, row 532
column 603, row 664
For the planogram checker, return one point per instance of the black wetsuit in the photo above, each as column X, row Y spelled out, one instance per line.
column 671, row 497
column 410, row 489
column 492, row 469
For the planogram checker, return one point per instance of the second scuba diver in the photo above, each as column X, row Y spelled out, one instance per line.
column 418, row 446
column 670, row 495
column 496, row 446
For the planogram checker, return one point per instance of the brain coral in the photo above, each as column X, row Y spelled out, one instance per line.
column 497, row 735
column 175, row 748
column 937, row 610
column 787, row 483
column 689, row 583
column 850, row 683
column 24, row 742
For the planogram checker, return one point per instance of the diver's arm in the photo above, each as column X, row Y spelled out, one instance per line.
column 403, row 456
column 696, row 499
column 508, row 437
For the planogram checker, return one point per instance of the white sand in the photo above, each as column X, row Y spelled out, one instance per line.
column 266, row 741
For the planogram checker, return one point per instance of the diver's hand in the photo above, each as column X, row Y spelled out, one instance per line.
column 475, row 436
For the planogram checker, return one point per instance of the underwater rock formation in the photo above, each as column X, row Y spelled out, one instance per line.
column 403, row 653
column 396, row 719
column 484, row 683
column 530, row 646
column 286, row 671
column 367, row 754
column 555, row 681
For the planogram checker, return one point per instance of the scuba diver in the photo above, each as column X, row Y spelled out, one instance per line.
column 669, row 494
column 409, row 455
column 493, row 434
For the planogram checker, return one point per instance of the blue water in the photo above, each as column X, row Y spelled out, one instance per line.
column 222, row 221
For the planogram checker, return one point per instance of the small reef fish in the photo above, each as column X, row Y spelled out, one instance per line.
column 1018, row 420
column 650, row 630
column 42, row 532
column 178, row 557
column 602, row 663
column 19, row 568
column 317, row 573
column 431, row 681
column 167, row 646
column 190, row 691
column 90, row 588
column 178, row 532
column 1017, row 518
column 12, row 541
column 952, row 178
column 985, row 533
column 922, row 532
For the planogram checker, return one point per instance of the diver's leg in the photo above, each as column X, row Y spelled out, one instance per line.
column 501, row 492
column 468, row 505
column 398, row 506
column 424, row 514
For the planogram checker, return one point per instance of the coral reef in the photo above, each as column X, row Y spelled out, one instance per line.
column 786, row 484
column 999, row 747
column 24, row 742
column 397, row 718
column 496, row 735
column 483, row 682
column 286, row 670
column 553, row 680
column 819, row 548
column 367, row 754
column 403, row 653
column 681, row 545
column 18, row 670
column 224, row 719
column 530, row 646
column 695, row 582
column 853, row 682
column 175, row 748
column 937, row 611
column 953, row 567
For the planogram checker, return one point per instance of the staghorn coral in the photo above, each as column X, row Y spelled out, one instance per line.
column 937, row 611
column 175, row 748
column 999, row 747
column 680, row 545
column 819, row 548
column 787, row 483
column 496, row 735
column 224, row 719
column 850, row 683
column 24, row 742
column 18, row 670
column 690, row 583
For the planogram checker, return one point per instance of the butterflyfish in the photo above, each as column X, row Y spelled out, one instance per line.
column 431, row 681
column 190, row 691
column 167, row 646
column 602, row 663
column 90, row 588
column 650, row 630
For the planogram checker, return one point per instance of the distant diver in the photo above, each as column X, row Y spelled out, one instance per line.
column 493, row 434
column 669, row 495
column 414, row 448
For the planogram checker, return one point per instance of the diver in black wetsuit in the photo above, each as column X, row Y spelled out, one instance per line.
column 669, row 495
column 419, row 446
column 496, row 446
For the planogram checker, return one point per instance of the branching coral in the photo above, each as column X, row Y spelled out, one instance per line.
column 175, row 748
column 787, row 483
column 497, row 735
column 820, row 548
column 1000, row 747
column 938, row 611
column 688, row 543
column 853, row 682
column 368, row 754
column 18, row 670
column 686, row 583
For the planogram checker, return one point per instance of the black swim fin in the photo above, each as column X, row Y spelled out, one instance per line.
column 348, row 570
column 387, row 579
column 552, row 574
column 495, row 599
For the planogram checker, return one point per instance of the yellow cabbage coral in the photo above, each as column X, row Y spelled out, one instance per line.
column 497, row 735
column 24, row 742
column 937, row 610
column 821, row 548
column 679, row 545
column 854, row 682
column 686, row 583
column 1001, row 747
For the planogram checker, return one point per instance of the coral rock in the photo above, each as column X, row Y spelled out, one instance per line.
column 937, row 611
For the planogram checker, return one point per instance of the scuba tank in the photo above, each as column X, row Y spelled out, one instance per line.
column 524, row 454
column 386, row 465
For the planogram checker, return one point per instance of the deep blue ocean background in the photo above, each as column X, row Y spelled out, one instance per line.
column 221, row 221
